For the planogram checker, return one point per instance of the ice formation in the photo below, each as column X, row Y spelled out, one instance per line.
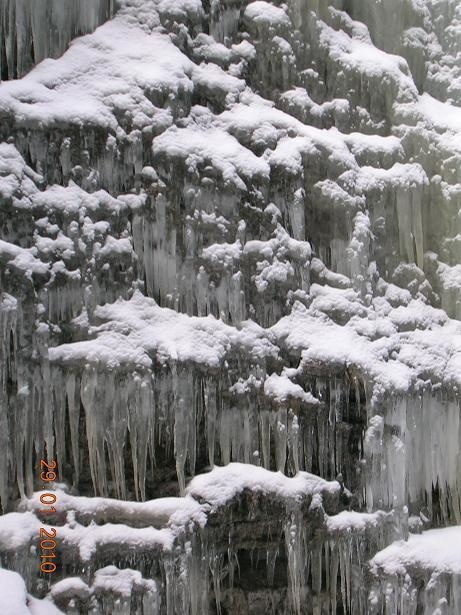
column 230, row 303
column 33, row 31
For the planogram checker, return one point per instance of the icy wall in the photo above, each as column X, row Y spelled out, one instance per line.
column 32, row 31
column 230, row 235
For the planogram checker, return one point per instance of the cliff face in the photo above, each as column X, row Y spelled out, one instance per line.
column 230, row 235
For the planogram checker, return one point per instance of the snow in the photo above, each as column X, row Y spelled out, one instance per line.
column 399, row 175
column 222, row 253
column 95, row 524
column 138, row 330
column 267, row 14
column 72, row 199
column 320, row 340
column 181, row 8
column 18, row 529
column 356, row 50
column 22, row 259
column 13, row 595
column 110, row 581
column 157, row 513
column 90, row 540
column 432, row 551
column 14, row 599
column 224, row 484
column 74, row 586
column 252, row 111
column 216, row 147
column 212, row 79
column 349, row 521
column 442, row 115
column 121, row 582
column 116, row 246
column 245, row 50
column 281, row 388
column 370, row 145
column 102, row 74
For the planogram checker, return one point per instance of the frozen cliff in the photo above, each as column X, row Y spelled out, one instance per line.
column 230, row 304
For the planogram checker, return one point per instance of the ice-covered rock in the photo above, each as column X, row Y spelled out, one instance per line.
column 425, row 570
column 163, row 548
column 230, row 232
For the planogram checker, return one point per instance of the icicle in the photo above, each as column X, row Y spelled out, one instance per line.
column 58, row 396
column 170, row 579
column 225, row 437
column 271, row 559
column 211, row 413
column 236, row 434
column 265, row 438
column 296, row 559
column 247, row 450
column 224, row 21
column 116, row 433
column 237, row 298
column 141, row 421
column 308, row 445
column 216, row 562
column 334, row 567
column 222, row 295
column 344, row 571
column 8, row 366
column 184, row 425
column 49, row 26
column 93, row 396
column 316, row 559
column 195, row 411
column 73, row 403
column 322, row 421
column 293, row 439
column 202, row 292
column 408, row 203
column 280, row 433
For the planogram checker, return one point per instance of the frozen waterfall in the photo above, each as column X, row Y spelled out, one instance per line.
column 230, row 303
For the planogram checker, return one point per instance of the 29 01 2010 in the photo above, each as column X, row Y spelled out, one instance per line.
column 47, row 535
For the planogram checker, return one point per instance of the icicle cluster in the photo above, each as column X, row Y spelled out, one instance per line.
column 33, row 31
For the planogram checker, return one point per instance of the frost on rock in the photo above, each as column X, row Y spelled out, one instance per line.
column 230, row 248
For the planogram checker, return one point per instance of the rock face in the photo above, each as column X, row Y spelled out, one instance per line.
column 230, row 248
